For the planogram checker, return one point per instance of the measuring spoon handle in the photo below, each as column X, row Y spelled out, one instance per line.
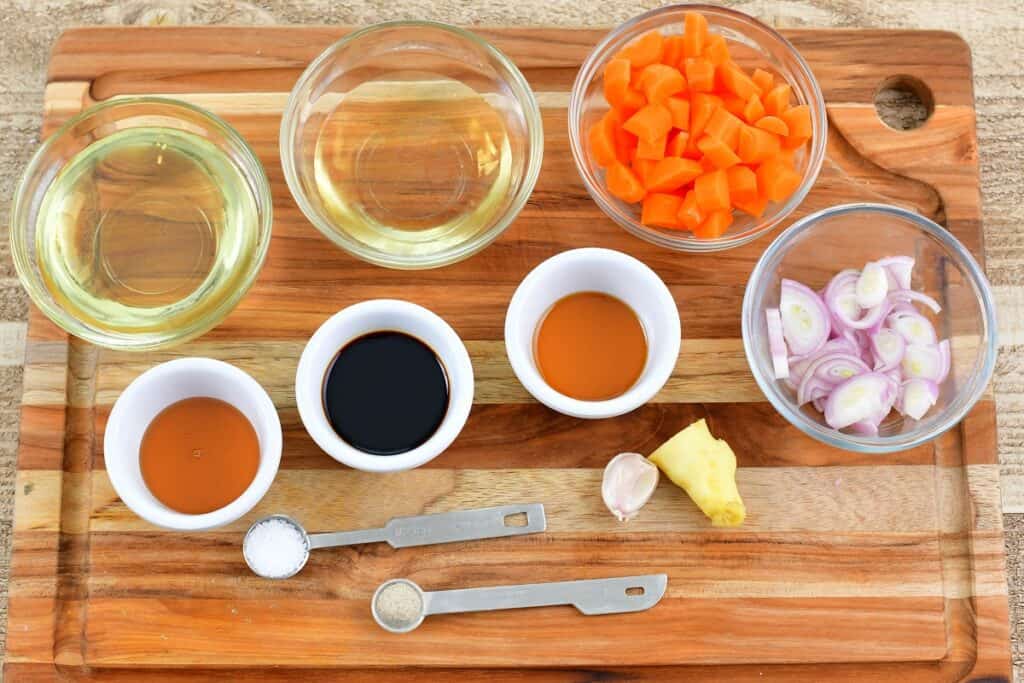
column 340, row 538
column 592, row 596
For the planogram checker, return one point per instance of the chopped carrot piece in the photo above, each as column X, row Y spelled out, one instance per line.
column 753, row 110
column 716, row 50
column 689, row 215
column 650, row 123
column 676, row 146
column 652, row 150
column 642, row 168
column 717, row 151
column 742, row 183
column 773, row 124
column 659, row 82
column 777, row 100
column 737, row 82
column 680, row 110
column 616, row 81
column 776, row 180
column 647, row 49
column 712, row 191
column 733, row 104
column 671, row 173
column 700, row 74
column 702, row 106
column 714, row 225
column 757, row 145
column 602, row 139
column 789, row 156
column 660, row 209
column 695, row 34
column 725, row 127
column 624, row 184
column 635, row 74
column 673, row 52
column 754, row 207
column 632, row 103
column 798, row 122
column 764, row 80
column 625, row 143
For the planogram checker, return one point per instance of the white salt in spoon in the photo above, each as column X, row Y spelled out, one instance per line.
column 399, row 605
column 277, row 547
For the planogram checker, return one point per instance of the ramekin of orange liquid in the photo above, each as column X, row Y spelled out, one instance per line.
column 592, row 333
column 192, row 444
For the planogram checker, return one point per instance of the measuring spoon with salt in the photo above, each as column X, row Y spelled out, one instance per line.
column 286, row 554
column 399, row 605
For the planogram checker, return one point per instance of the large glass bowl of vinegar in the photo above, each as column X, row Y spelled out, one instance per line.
column 411, row 144
column 141, row 223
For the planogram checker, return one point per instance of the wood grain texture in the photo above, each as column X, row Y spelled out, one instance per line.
column 847, row 568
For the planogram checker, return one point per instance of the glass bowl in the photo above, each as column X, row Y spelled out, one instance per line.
column 141, row 223
column 752, row 44
column 411, row 144
column 817, row 247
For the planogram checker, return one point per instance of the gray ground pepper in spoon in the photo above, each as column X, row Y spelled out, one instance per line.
column 399, row 605
column 277, row 547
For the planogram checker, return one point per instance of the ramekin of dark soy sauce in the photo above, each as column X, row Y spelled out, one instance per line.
column 384, row 385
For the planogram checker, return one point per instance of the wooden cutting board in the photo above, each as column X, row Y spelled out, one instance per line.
column 848, row 567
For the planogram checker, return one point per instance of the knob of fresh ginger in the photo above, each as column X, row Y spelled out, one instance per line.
column 705, row 467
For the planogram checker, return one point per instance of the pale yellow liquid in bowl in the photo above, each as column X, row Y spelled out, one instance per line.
column 414, row 165
column 146, row 230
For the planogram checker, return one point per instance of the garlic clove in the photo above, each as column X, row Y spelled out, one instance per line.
column 628, row 483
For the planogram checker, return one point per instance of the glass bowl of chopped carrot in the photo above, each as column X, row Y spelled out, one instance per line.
column 697, row 128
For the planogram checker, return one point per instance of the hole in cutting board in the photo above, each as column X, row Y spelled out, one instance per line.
column 516, row 519
column 904, row 102
column 635, row 590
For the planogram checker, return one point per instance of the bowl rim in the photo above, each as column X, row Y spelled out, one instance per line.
column 458, row 369
column 524, row 96
column 588, row 71
column 158, row 513
column 875, row 444
column 145, row 341
column 650, row 382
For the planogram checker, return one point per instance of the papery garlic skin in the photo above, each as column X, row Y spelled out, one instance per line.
column 628, row 483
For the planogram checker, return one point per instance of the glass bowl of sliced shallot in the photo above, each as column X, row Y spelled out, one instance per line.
column 870, row 327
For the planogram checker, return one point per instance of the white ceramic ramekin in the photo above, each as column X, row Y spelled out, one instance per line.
column 594, row 270
column 168, row 383
column 374, row 316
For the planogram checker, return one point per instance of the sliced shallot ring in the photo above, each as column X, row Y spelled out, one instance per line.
column 872, row 285
column 900, row 268
column 911, row 295
column 917, row 396
column 777, row 344
column 858, row 398
column 923, row 361
column 913, row 327
column 806, row 322
column 888, row 347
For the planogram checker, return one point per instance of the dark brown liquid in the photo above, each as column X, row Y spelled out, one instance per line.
column 591, row 347
column 386, row 393
column 198, row 455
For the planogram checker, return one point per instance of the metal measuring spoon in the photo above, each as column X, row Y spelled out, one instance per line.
column 399, row 605
column 404, row 532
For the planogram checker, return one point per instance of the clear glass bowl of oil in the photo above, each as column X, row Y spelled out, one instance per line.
column 141, row 223
column 411, row 144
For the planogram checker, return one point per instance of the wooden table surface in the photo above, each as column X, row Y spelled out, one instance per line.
column 995, row 31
